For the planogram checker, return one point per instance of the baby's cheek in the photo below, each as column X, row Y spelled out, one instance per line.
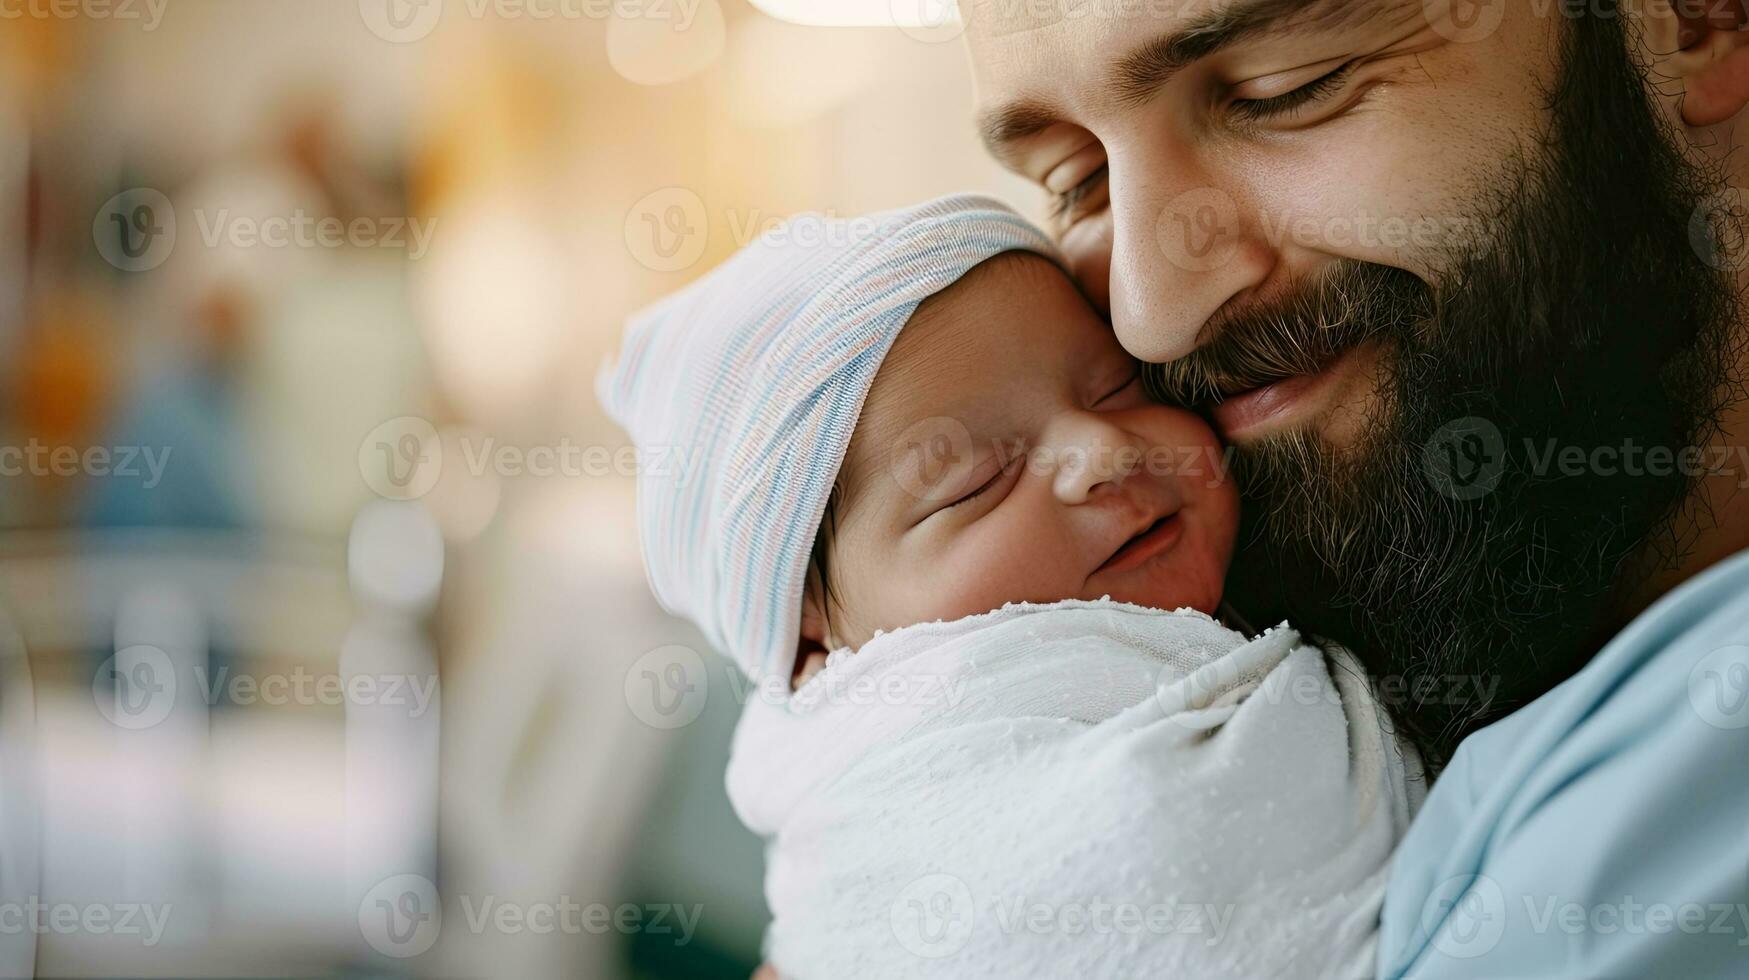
column 1202, row 470
column 997, row 562
column 1220, row 507
column 1205, row 571
column 1191, row 574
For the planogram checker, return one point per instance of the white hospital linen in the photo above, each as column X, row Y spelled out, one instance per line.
column 1080, row 789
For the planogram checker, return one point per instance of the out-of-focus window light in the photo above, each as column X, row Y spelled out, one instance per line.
column 394, row 556
column 863, row 13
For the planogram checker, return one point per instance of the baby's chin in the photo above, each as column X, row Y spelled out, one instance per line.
column 1183, row 581
column 1202, row 600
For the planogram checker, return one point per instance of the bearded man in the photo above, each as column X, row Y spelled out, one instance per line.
column 1461, row 284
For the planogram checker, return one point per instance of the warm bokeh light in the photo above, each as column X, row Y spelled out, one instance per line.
column 407, row 233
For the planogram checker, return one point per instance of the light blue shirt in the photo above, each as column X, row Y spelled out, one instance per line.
column 1603, row 829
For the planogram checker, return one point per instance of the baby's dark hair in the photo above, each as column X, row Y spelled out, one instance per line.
column 819, row 575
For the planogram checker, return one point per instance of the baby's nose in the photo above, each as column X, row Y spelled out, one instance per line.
column 1095, row 463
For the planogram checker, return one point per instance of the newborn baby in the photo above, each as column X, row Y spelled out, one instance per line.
column 1008, row 452
column 924, row 481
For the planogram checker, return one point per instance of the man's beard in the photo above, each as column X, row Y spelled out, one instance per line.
column 1468, row 568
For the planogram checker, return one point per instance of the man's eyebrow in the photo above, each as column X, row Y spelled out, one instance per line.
column 1006, row 125
column 1139, row 74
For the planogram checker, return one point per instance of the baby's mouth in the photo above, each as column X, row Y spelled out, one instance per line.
column 1154, row 539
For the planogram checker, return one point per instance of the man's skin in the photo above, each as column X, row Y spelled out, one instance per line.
column 1407, row 137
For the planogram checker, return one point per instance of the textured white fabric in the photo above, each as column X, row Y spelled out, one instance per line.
column 1080, row 789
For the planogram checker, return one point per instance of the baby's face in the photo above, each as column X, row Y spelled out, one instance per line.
column 1007, row 452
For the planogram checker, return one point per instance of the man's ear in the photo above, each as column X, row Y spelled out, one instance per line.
column 1709, row 56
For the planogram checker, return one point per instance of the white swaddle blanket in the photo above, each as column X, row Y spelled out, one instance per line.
column 1081, row 789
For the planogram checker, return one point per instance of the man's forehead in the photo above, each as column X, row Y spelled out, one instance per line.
column 1001, row 28
column 994, row 21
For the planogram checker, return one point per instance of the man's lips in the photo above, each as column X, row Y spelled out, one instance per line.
column 1152, row 540
column 1279, row 403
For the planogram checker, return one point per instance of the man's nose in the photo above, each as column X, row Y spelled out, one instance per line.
column 1092, row 456
column 1182, row 245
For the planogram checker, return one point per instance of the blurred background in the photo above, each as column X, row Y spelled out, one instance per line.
column 324, row 644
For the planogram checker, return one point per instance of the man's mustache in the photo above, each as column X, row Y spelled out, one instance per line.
column 1297, row 331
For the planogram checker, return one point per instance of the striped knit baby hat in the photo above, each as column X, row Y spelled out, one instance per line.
column 741, row 392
